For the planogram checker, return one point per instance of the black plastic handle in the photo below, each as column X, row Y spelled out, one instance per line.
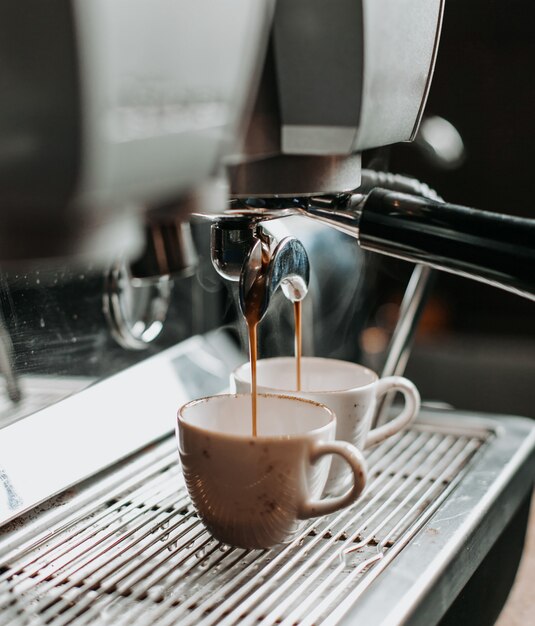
column 489, row 247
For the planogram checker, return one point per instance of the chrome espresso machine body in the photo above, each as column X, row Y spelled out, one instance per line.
column 144, row 144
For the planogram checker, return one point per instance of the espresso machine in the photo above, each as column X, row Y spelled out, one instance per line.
column 149, row 150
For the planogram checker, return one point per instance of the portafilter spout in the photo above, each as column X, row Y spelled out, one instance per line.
column 244, row 251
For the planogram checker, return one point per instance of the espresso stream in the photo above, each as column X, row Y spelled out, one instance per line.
column 298, row 343
column 253, row 307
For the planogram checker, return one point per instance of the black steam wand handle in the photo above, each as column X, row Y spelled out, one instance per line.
column 489, row 247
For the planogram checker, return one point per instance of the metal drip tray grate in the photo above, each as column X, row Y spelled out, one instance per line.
column 139, row 554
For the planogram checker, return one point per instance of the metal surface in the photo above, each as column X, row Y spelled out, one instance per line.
column 492, row 248
column 162, row 94
column 169, row 250
column 434, row 568
column 393, row 100
column 90, row 430
column 37, row 392
column 132, row 550
column 231, row 240
column 6, row 364
column 288, row 176
column 335, row 84
column 360, row 93
column 286, row 267
column 113, row 108
column 135, row 310
column 245, row 252
column 410, row 312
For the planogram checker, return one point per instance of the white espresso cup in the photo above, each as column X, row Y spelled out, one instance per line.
column 349, row 389
column 255, row 492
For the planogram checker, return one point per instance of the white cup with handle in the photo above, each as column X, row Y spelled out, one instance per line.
column 257, row 491
column 349, row 389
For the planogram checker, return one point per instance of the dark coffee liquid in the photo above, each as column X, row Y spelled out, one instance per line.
column 253, row 349
column 253, row 307
column 298, row 343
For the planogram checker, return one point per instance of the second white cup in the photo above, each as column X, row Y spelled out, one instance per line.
column 350, row 390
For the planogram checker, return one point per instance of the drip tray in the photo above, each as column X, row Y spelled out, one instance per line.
column 128, row 547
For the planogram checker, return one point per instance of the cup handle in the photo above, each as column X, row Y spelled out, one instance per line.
column 410, row 410
column 315, row 508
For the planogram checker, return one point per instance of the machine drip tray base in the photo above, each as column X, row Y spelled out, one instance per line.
column 127, row 546
column 474, row 605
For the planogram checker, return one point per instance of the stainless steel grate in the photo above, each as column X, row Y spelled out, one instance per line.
column 139, row 554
